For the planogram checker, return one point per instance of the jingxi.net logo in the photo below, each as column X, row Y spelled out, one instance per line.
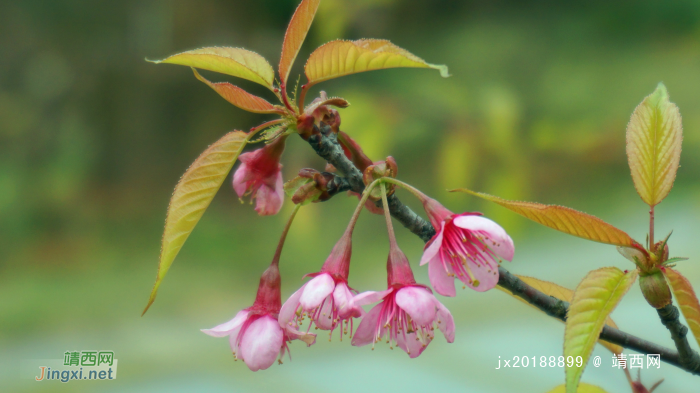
column 77, row 366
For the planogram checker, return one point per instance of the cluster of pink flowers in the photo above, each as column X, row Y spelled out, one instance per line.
column 466, row 246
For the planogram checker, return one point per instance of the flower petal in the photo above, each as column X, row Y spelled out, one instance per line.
column 233, row 339
column 289, row 308
column 342, row 296
column 279, row 185
column 317, row 289
column 412, row 344
column 418, row 303
column 240, row 178
column 367, row 330
column 344, row 302
column 324, row 319
column 487, row 277
column 248, row 157
column 433, row 248
column 261, row 343
column 496, row 237
column 370, row 297
column 442, row 282
column 269, row 201
column 446, row 323
column 227, row 327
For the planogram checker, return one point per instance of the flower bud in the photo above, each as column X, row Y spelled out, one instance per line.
column 378, row 170
column 313, row 186
column 308, row 187
column 655, row 289
column 305, row 126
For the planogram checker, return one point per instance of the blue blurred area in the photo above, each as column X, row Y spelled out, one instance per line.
column 93, row 139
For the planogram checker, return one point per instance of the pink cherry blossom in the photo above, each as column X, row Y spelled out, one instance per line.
column 255, row 334
column 326, row 299
column 260, row 176
column 466, row 246
column 406, row 317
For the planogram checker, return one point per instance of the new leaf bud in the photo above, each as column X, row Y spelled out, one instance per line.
column 655, row 289
column 379, row 170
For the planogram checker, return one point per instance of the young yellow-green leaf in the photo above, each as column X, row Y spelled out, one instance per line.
column 237, row 62
column 240, row 97
column 594, row 299
column 295, row 35
column 565, row 294
column 654, row 136
column 563, row 219
column 340, row 58
column 686, row 298
column 582, row 388
column 192, row 196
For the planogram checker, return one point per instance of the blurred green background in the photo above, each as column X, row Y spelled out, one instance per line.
column 93, row 140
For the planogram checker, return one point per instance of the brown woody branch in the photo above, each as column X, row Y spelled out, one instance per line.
column 670, row 317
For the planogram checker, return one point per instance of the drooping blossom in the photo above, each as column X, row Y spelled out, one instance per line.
column 466, row 246
column 260, row 176
column 326, row 299
column 254, row 333
column 407, row 314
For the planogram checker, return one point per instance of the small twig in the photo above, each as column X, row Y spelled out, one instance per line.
column 670, row 318
column 337, row 185
column 325, row 144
